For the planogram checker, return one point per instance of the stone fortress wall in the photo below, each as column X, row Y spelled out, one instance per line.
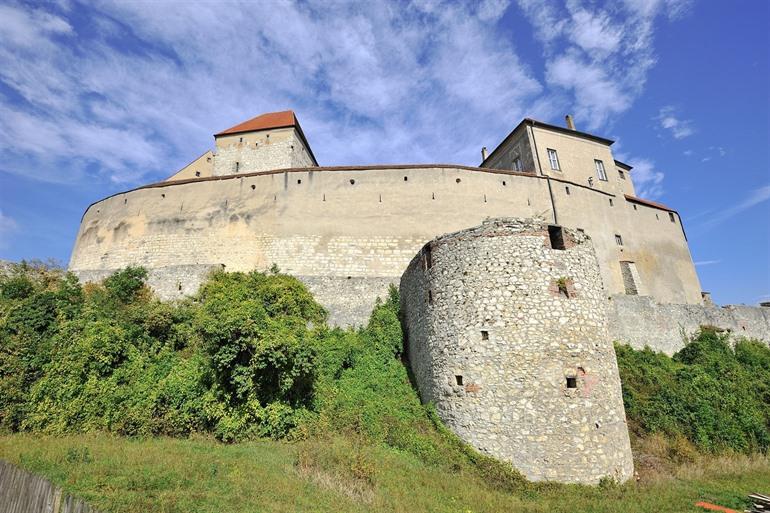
column 348, row 232
column 640, row 321
column 507, row 336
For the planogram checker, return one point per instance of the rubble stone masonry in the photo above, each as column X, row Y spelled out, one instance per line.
column 508, row 338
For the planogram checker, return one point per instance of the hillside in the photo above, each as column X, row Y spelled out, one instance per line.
column 243, row 399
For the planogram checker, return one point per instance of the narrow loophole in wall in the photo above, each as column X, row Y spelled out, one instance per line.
column 406, row 178
column 241, row 139
column 485, row 198
column 556, row 234
column 253, row 187
column 197, row 173
column 484, row 335
column 352, row 182
column 237, row 166
column 571, row 382
column 671, row 217
column 162, row 195
column 380, row 198
column 324, row 197
column 504, row 184
column 299, row 182
column 566, row 189
column 433, row 195
column 428, row 255
column 611, row 204
column 635, row 207
column 179, row 286
column 430, row 297
column 125, row 201
column 458, row 180
column 657, row 217
column 459, row 380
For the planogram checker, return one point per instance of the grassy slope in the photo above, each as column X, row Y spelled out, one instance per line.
column 117, row 474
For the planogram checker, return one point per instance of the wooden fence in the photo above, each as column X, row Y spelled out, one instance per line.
column 24, row 492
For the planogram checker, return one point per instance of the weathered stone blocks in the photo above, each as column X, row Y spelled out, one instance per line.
column 508, row 337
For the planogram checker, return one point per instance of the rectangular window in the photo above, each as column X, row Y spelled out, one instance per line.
column 618, row 240
column 517, row 165
column 600, row 170
column 554, row 159
column 671, row 217
column 621, row 174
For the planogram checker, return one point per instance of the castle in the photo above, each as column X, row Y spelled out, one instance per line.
column 584, row 262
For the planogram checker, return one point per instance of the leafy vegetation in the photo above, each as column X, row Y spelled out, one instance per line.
column 250, row 358
column 709, row 394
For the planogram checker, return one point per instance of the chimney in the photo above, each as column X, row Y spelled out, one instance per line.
column 483, row 153
column 570, row 123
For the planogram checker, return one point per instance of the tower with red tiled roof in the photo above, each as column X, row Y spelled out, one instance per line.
column 269, row 141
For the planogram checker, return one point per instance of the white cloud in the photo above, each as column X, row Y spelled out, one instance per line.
column 648, row 181
column 669, row 120
column 598, row 56
column 706, row 262
column 756, row 197
column 7, row 226
column 131, row 100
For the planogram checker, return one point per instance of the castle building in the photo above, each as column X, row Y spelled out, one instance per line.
column 515, row 276
column 350, row 231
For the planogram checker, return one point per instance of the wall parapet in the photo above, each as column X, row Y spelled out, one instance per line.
column 640, row 321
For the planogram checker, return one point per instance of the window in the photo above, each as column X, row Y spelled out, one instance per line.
column 241, row 140
column 517, row 165
column 571, row 382
column 567, row 190
column 621, row 174
column 611, row 204
column 237, row 166
column 618, row 240
column 484, row 335
column 556, row 235
column 197, row 173
column 459, row 380
column 554, row 159
column 601, row 173
column 671, row 217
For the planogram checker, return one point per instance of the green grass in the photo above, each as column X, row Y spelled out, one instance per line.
column 118, row 474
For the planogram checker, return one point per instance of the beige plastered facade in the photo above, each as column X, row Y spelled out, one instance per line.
column 367, row 222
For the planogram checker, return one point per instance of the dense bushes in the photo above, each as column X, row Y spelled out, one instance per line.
column 715, row 396
column 251, row 356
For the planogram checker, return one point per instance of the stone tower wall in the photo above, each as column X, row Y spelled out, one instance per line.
column 493, row 342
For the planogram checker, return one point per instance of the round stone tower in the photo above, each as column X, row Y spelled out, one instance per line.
column 507, row 335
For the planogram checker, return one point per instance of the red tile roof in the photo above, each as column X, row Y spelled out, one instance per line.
column 648, row 203
column 263, row 122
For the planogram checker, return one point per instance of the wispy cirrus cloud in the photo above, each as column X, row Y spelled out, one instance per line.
column 139, row 90
column 598, row 56
column 669, row 120
column 136, row 92
column 7, row 227
column 701, row 263
column 755, row 197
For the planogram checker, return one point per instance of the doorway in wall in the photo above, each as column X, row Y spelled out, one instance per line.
column 630, row 278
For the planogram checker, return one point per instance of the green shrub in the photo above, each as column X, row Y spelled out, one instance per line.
column 707, row 393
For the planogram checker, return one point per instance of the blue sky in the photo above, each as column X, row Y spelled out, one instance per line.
column 101, row 97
